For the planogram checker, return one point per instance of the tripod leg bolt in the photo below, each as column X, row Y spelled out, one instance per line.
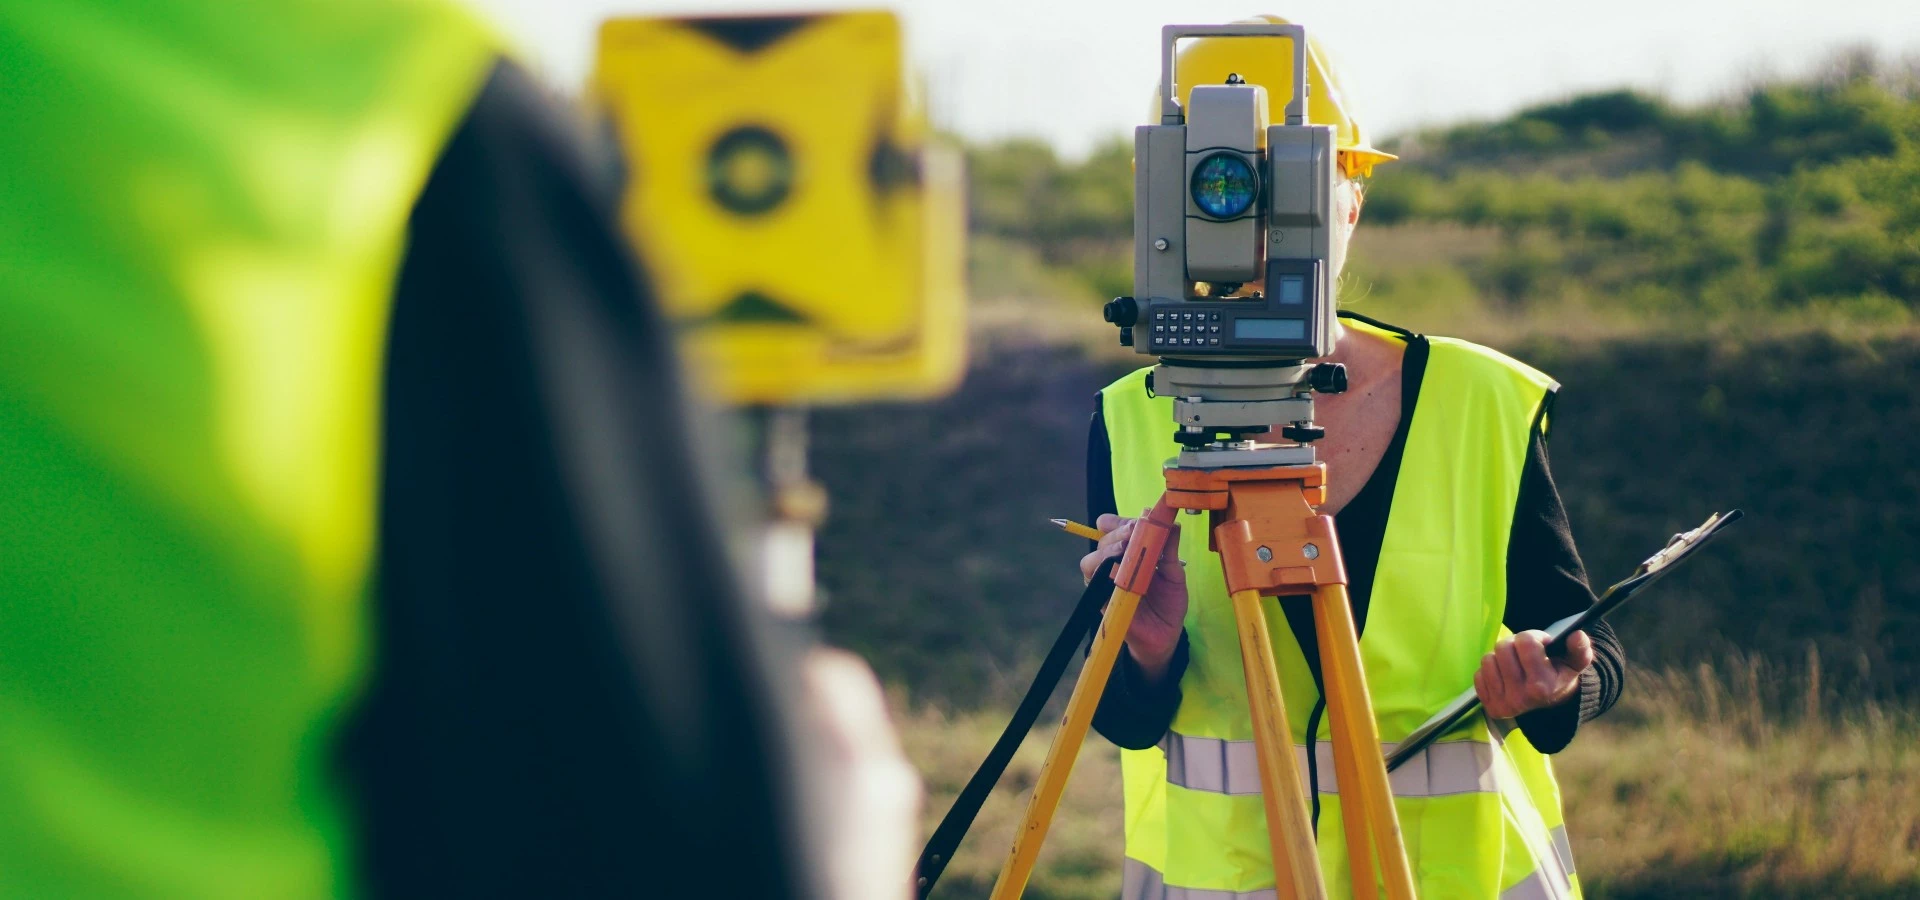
column 1310, row 551
column 1265, row 554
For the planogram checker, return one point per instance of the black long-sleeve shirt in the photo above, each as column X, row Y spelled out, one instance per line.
column 1546, row 582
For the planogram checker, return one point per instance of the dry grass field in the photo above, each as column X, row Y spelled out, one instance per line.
column 1729, row 781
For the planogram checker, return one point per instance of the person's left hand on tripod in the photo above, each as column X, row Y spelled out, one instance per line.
column 1518, row 676
column 1162, row 613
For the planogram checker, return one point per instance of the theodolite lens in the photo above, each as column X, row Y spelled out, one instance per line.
column 1224, row 186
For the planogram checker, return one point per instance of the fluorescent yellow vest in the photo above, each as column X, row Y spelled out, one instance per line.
column 1480, row 811
column 203, row 207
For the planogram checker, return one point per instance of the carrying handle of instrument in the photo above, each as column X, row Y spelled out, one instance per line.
column 1171, row 35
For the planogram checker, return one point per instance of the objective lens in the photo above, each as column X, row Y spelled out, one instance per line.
column 1224, row 185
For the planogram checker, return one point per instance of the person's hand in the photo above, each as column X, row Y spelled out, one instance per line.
column 1518, row 677
column 1155, row 631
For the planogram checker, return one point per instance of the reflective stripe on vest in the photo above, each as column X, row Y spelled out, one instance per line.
column 1552, row 858
column 1482, row 815
column 1553, row 879
column 1563, row 848
column 1232, row 767
column 1537, row 886
column 1139, row 881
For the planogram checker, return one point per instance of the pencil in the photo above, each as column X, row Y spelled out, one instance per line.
column 1076, row 529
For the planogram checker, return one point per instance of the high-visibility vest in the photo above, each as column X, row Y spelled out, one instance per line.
column 1480, row 811
column 203, row 208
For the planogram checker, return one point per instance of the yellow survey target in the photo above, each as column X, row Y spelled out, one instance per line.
column 783, row 192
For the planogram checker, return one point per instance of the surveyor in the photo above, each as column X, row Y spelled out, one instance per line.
column 351, row 537
column 1458, row 550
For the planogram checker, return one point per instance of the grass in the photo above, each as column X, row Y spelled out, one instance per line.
column 1083, row 849
column 1735, row 780
column 1745, row 780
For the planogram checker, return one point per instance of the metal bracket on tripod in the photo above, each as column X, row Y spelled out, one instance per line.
column 1220, row 409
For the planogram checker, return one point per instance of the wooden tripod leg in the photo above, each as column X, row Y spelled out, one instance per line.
column 1361, row 854
column 1066, row 745
column 1361, row 770
column 1132, row 577
column 1296, row 864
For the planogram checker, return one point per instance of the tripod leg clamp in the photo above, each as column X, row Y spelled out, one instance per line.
column 1297, row 559
column 1150, row 534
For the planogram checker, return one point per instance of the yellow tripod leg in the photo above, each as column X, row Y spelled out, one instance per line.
column 1363, row 780
column 1361, row 856
column 1296, row 864
column 1107, row 643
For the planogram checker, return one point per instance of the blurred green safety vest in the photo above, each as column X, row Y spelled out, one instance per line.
column 203, row 207
column 1480, row 811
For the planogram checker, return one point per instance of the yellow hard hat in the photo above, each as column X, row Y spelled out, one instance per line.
column 1268, row 62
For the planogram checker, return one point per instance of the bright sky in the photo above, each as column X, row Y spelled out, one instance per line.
column 1077, row 71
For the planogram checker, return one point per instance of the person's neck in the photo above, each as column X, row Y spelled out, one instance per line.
column 1366, row 356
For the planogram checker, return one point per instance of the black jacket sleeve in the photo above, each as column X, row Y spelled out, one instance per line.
column 1546, row 582
column 568, row 696
column 1135, row 713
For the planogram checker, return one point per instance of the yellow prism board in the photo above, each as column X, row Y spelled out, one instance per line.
column 784, row 193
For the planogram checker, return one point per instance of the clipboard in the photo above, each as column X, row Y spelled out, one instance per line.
column 1678, row 549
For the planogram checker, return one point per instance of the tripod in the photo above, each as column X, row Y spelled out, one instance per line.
column 1271, row 542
